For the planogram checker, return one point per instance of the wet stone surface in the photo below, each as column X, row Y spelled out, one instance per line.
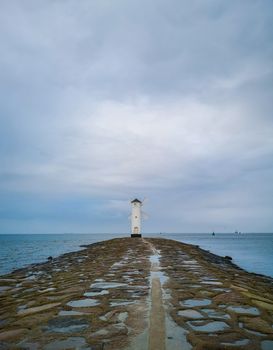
column 218, row 314
column 70, row 313
column 244, row 310
column 217, row 303
column 237, row 343
column 69, row 343
column 66, row 324
column 267, row 345
column 95, row 294
column 83, row 303
column 208, row 327
column 99, row 298
column 190, row 314
column 108, row 285
column 121, row 302
column 195, row 302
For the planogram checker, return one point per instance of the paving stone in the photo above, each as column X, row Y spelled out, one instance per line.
column 36, row 309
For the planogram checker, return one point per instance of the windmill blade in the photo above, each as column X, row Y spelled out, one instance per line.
column 145, row 215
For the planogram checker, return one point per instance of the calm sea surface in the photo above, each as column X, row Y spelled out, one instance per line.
column 253, row 252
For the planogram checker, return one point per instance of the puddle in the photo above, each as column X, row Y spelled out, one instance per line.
column 176, row 337
column 213, row 326
column 69, row 343
column 66, row 324
column 83, row 303
column 128, row 278
column 122, row 317
column 250, row 310
column 241, row 342
column 216, row 283
column 154, row 259
column 94, row 294
column 267, row 344
column 134, row 273
column 221, row 289
column 30, row 290
column 190, row 314
column 190, row 262
column 46, row 290
column 216, row 314
column 57, row 297
column 159, row 275
column 21, row 307
column 108, row 285
column 259, row 334
column 30, row 278
column 137, row 293
column 120, row 302
column 118, row 264
column 195, row 302
column 69, row 313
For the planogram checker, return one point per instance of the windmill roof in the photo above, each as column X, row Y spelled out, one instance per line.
column 136, row 201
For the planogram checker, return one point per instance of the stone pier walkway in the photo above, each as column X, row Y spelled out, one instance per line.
column 136, row 294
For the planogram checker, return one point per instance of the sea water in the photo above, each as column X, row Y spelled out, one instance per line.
column 20, row 250
column 253, row 252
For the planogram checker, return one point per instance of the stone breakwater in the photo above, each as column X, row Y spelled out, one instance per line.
column 136, row 294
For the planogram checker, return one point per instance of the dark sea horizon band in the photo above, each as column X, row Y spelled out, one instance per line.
column 250, row 251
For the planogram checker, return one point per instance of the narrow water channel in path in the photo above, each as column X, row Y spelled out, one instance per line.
column 163, row 333
column 157, row 313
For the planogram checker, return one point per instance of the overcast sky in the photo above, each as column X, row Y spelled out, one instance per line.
column 103, row 101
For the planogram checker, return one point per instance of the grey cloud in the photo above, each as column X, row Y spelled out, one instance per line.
column 109, row 100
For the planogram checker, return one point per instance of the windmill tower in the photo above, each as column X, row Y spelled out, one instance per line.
column 136, row 218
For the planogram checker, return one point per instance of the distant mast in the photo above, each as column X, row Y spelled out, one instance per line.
column 136, row 218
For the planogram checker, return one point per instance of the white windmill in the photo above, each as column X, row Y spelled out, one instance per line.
column 136, row 216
